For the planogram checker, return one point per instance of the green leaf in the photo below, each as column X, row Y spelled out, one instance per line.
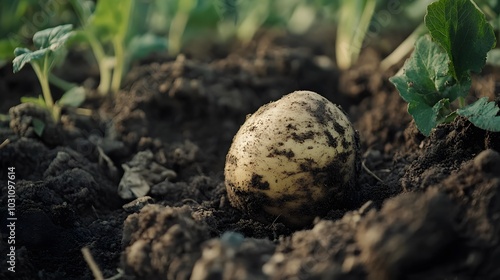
column 52, row 38
column 38, row 126
column 427, row 117
column 35, row 100
column 111, row 18
column 48, row 41
column 141, row 46
column 425, row 84
column 482, row 114
column 24, row 56
column 73, row 97
column 427, row 74
column 462, row 30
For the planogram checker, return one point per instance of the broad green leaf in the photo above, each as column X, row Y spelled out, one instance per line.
column 462, row 30
column 24, row 56
column 417, row 107
column 482, row 114
column 48, row 41
column 427, row 73
column 52, row 38
column 35, row 100
column 73, row 97
column 427, row 117
column 425, row 84
column 141, row 46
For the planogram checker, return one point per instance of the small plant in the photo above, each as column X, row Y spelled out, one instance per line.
column 50, row 43
column 438, row 72
column 116, row 32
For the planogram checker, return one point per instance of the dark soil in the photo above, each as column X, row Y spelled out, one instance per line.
column 435, row 213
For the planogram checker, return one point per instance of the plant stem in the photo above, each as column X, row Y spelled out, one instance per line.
column 353, row 23
column 252, row 22
column 403, row 49
column 102, row 62
column 119, row 65
column 176, row 31
column 44, row 83
column 43, row 78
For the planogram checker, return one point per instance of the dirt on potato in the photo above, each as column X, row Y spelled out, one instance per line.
column 429, row 207
column 293, row 160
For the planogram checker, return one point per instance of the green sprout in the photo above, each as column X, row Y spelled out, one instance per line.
column 115, row 31
column 50, row 43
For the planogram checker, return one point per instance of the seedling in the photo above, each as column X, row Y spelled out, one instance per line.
column 50, row 43
column 439, row 70
column 293, row 160
column 114, row 31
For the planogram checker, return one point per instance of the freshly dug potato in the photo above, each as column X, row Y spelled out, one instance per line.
column 293, row 160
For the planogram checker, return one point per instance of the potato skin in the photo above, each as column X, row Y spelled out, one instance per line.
column 292, row 160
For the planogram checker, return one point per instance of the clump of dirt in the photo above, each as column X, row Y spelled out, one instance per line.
column 430, row 207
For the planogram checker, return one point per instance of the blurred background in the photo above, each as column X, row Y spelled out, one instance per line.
column 177, row 23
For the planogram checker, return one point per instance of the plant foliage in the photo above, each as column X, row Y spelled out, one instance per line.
column 439, row 70
column 49, row 43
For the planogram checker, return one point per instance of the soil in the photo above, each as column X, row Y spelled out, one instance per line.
column 429, row 207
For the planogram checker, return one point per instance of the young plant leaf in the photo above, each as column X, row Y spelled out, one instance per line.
column 463, row 31
column 426, row 117
column 24, row 56
column 52, row 38
column 427, row 73
column 48, row 41
column 425, row 84
column 482, row 114
column 73, row 97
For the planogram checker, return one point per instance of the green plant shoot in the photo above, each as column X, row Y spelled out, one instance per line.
column 439, row 70
column 355, row 17
column 50, row 43
column 114, row 40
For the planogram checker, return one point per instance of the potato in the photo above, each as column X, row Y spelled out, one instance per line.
column 292, row 160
